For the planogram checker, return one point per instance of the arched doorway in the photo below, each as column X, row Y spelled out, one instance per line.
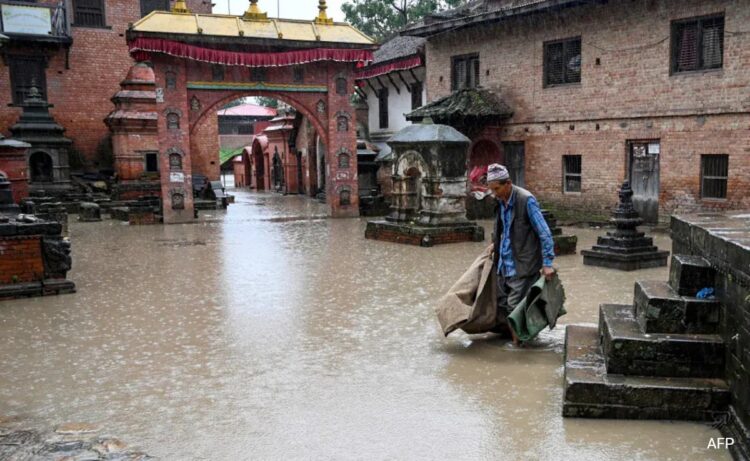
column 40, row 167
column 197, row 70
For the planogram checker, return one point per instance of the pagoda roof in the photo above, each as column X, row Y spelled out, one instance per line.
column 467, row 105
column 276, row 32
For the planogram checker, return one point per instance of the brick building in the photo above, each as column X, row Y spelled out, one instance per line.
column 77, row 55
column 651, row 90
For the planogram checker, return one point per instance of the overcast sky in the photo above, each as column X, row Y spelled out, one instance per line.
column 293, row 9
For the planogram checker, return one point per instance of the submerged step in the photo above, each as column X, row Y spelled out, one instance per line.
column 660, row 309
column 629, row 351
column 590, row 392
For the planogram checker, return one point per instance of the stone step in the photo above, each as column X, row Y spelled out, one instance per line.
column 689, row 274
column 629, row 351
column 589, row 392
column 659, row 309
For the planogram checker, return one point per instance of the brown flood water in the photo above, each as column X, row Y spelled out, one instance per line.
column 272, row 334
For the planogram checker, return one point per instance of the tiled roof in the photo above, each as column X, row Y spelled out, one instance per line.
column 249, row 110
column 398, row 47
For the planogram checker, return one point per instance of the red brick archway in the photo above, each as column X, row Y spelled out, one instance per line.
column 197, row 68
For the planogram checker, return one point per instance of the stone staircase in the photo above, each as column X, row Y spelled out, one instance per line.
column 659, row 358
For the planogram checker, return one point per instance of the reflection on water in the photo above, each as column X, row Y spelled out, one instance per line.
column 268, row 332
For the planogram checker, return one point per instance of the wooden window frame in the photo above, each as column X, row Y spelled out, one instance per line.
column 546, row 68
column 704, row 177
column 567, row 174
column 145, row 162
column 13, row 61
column 471, row 59
column 675, row 51
column 102, row 25
column 383, row 114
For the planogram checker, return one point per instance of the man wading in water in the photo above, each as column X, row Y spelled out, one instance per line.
column 522, row 246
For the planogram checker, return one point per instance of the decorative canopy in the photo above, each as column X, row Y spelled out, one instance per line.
column 463, row 107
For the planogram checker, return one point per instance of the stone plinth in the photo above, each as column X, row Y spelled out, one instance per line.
column 425, row 236
column 625, row 248
column 35, row 258
column 89, row 212
column 564, row 244
column 429, row 189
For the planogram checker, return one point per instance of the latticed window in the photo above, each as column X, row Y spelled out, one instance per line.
column 714, row 173
column 341, row 86
column 148, row 6
column 383, row 107
column 464, row 71
column 88, row 13
column 416, row 95
column 217, row 73
column 298, row 74
column 698, row 44
column 571, row 173
column 25, row 72
column 562, row 62
column 258, row 74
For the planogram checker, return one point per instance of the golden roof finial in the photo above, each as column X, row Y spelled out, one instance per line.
column 253, row 12
column 322, row 16
column 180, row 7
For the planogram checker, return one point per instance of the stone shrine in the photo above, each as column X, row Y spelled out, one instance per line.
column 625, row 248
column 48, row 155
column 429, row 189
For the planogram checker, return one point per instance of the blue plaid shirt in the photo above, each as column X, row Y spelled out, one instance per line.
column 506, row 266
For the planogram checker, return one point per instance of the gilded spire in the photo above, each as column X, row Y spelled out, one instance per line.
column 253, row 12
column 180, row 7
column 322, row 16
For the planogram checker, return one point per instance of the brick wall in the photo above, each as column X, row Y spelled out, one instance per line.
column 21, row 259
column 98, row 61
column 626, row 93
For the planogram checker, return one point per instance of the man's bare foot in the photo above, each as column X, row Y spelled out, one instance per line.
column 516, row 341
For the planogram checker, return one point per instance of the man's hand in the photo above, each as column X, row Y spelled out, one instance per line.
column 548, row 272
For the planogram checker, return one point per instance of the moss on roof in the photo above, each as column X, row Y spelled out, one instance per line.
column 466, row 105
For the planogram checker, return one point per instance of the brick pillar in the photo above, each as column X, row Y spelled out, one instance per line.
column 341, row 182
column 13, row 164
column 175, row 167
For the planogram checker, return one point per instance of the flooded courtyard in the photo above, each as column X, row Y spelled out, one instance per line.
column 270, row 332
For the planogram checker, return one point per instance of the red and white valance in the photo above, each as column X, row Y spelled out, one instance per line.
column 388, row 67
column 141, row 49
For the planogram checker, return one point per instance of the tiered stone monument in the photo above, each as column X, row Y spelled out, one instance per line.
column 625, row 248
column 564, row 244
column 429, row 189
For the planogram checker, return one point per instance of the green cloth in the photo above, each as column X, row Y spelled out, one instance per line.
column 541, row 307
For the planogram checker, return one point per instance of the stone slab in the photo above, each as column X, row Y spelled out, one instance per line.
column 629, row 351
column 659, row 309
column 425, row 236
column 689, row 274
column 625, row 262
column 590, row 392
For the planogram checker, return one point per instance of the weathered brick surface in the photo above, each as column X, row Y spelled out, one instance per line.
column 21, row 259
column 628, row 94
column 98, row 61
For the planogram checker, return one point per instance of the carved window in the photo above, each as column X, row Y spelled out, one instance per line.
column 345, row 198
column 175, row 162
column 714, row 174
column 464, row 71
column 178, row 201
column 171, row 79
column 342, row 123
column 258, row 74
column 562, row 62
column 217, row 73
column 298, row 74
column 571, row 173
column 173, row 121
column 341, row 86
column 698, row 44
column 343, row 160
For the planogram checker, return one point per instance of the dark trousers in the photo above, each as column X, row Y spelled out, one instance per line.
column 511, row 290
